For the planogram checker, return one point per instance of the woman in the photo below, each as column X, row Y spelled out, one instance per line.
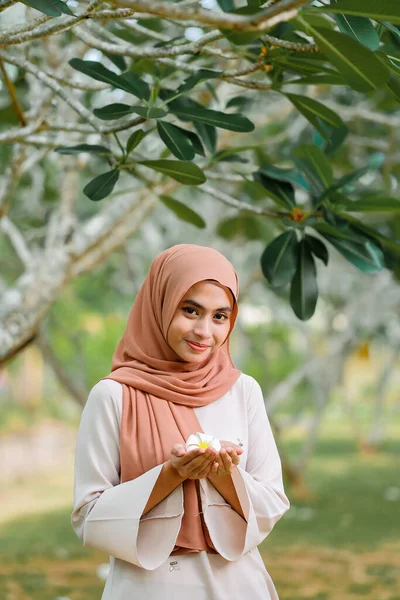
column 179, row 524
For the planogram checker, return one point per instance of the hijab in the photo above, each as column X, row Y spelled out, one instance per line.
column 160, row 391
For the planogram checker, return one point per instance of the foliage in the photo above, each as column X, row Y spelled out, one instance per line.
column 156, row 101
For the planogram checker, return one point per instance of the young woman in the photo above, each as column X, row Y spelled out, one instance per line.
column 177, row 523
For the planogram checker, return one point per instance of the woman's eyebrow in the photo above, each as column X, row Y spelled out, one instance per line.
column 197, row 305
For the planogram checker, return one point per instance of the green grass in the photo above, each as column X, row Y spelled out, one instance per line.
column 341, row 544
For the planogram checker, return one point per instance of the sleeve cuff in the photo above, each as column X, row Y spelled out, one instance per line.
column 115, row 524
column 231, row 535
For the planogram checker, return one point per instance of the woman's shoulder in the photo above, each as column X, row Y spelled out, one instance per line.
column 245, row 384
column 106, row 396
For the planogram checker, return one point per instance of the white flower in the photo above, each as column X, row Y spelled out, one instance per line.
column 202, row 440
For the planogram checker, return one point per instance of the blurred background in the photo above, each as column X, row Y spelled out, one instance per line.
column 331, row 389
column 331, row 384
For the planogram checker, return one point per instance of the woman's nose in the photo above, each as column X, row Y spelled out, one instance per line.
column 202, row 328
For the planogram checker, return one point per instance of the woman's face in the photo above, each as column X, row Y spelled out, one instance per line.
column 201, row 322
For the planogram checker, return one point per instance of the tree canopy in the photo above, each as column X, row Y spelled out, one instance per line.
column 285, row 111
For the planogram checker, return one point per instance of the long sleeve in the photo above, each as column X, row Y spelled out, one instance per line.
column 107, row 514
column 259, row 488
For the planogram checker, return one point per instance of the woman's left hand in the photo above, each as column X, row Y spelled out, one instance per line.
column 226, row 460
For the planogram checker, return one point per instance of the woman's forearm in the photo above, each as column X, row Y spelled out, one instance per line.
column 225, row 486
column 168, row 480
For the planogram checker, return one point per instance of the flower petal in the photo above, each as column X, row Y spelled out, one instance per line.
column 216, row 444
column 192, row 440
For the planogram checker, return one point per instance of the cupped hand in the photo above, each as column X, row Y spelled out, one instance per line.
column 192, row 464
column 226, row 460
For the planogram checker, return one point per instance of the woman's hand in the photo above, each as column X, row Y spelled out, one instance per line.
column 226, row 460
column 192, row 464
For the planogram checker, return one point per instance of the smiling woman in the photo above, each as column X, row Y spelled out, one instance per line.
column 178, row 517
column 198, row 328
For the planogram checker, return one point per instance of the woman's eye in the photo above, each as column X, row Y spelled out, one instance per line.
column 224, row 317
column 189, row 308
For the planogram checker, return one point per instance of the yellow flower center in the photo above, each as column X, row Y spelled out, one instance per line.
column 204, row 444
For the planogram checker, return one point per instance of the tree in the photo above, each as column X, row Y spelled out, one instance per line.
column 149, row 90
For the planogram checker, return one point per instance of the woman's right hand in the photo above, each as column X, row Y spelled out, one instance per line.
column 192, row 464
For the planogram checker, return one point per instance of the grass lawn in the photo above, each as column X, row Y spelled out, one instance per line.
column 341, row 544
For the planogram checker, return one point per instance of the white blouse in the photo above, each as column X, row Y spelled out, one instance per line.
column 107, row 513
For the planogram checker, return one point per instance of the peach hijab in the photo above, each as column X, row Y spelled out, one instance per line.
column 159, row 390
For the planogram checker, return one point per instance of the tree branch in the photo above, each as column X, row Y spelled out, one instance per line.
column 14, row 99
column 75, row 388
column 71, row 101
column 245, row 206
column 17, row 241
column 115, row 47
column 6, row 3
column 264, row 19
column 274, row 41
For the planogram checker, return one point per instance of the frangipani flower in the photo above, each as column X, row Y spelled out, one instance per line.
column 202, row 440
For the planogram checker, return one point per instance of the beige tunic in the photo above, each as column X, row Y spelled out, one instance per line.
column 107, row 514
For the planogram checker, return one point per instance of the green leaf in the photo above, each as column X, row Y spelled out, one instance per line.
column 240, row 102
column 196, row 78
column 113, row 111
column 208, row 134
column 129, row 82
column 134, row 140
column 119, row 61
column 101, row 186
column 289, row 175
column 338, row 230
column 51, row 8
column 334, row 138
column 382, row 10
column 304, row 288
column 149, row 113
column 135, row 85
column 183, row 212
column 240, row 38
column 318, row 248
column 280, row 191
column 394, row 86
column 232, row 122
column 182, row 171
column 232, row 154
column 315, row 166
column 173, row 138
column 359, row 29
column 373, row 203
column 367, row 257
column 359, row 66
column 226, row 5
column 375, row 161
column 389, row 244
column 314, row 111
column 92, row 148
column 195, row 141
column 278, row 261
column 318, row 79
column 244, row 226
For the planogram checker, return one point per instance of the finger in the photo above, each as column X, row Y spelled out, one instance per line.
column 200, row 471
column 191, row 455
column 225, row 444
column 227, row 462
column 178, row 450
column 234, row 457
column 206, row 470
column 202, row 462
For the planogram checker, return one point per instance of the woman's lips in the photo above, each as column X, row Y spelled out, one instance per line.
column 196, row 347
